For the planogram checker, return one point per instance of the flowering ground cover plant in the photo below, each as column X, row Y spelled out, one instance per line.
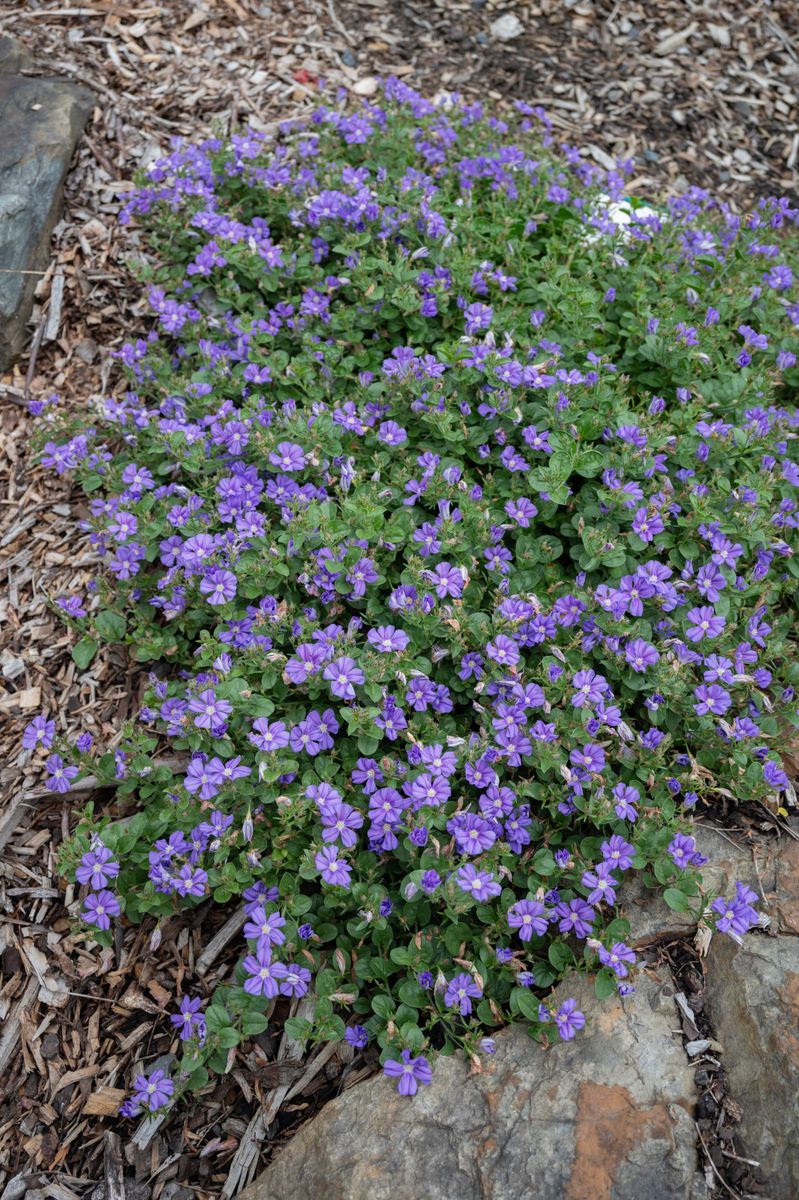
column 463, row 518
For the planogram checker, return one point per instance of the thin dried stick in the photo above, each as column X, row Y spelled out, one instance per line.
column 735, row 1195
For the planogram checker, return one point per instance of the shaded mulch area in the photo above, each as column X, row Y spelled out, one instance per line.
column 697, row 94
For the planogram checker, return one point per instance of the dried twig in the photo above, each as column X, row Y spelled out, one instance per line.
column 37, row 341
column 716, row 1172
column 11, row 1027
column 218, row 942
column 113, row 1169
column 54, row 312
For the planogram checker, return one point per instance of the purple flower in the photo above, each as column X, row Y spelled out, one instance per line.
column 602, row 884
column 445, row 580
column 647, row 525
column 575, row 916
column 288, row 456
column 640, row 655
column 736, row 916
column 152, row 1091
column 569, row 1019
column 356, row 1036
column 478, row 316
column 295, row 981
column 461, row 990
column 339, row 822
column 219, row 586
column 472, row 834
column 479, row 884
column 190, row 881
column 705, row 623
column 712, row 699
column 387, row 640
column 40, row 732
column 266, row 928
column 97, row 867
column 527, row 916
column 617, row 958
column 430, row 881
column 774, row 775
column 391, row 434
column 521, row 511
column 409, row 1071
column 591, row 758
column 617, row 852
column 257, row 896
column 625, row 799
column 342, row 674
column 98, row 909
column 503, row 651
column 684, row 853
column 210, row 711
column 188, row 1020
column 263, row 975
column 269, row 737
column 335, row 871
column 589, row 688
column 60, row 775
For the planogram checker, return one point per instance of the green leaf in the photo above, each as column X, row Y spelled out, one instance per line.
column 216, row 1017
column 411, row 994
column 197, row 1079
column 589, row 463
column 605, row 984
column 560, row 956
column 110, row 625
column 299, row 1028
column 253, row 1023
column 84, row 651
column 677, row 900
column 384, row 1007
column 526, row 1003
column 544, row 862
column 228, row 1037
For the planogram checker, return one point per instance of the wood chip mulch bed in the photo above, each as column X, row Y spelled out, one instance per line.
column 698, row 94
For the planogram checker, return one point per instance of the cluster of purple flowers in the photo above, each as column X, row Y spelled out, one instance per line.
column 95, row 870
column 465, row 616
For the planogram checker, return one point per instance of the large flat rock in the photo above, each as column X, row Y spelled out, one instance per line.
column 753, row 1001
column 41, row 121
column 604, row 1117
column 14, row 57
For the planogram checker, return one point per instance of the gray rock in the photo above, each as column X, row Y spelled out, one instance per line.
column 41, row 120
column 604, row 1117
column 14, row 57
column 729, row 860
column 753, row 1001
column 506, row 28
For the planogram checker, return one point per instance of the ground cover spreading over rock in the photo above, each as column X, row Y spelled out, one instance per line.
column 63, row 1036
column 464, row 609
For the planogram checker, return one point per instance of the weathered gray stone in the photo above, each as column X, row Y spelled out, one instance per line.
column 604, row 1117
column 14, row 57
column 41, row 121
column 753, row 1001
column 728, row 860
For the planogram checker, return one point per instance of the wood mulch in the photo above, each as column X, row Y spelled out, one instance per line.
column 698, row 93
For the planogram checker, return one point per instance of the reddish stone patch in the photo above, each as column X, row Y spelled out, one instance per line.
column 609, row 1125
column 785, row 1030
column 788, row 888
